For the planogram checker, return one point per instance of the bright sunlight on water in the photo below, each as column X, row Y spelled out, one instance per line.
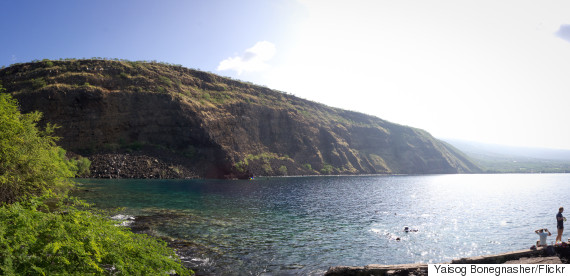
column 304, row 225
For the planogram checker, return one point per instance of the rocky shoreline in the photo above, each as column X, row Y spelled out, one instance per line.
column 117, row 165
column 550, row 255
column 144, row 162
column 191, row 254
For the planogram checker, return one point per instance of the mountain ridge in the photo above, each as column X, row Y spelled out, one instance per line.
column 513, row 159
column 214, row 126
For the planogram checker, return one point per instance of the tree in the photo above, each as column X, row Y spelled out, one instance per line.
column 44, row 232
column 48, row 235
column 30, row 162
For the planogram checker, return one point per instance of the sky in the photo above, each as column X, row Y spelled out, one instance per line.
column 492, row 71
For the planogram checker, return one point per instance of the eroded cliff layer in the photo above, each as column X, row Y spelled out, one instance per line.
column 201, row 124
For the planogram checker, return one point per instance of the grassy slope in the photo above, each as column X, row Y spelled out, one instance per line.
column 198, row 88
column 212, row 95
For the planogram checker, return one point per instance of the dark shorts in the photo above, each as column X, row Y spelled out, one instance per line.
column 560, row 227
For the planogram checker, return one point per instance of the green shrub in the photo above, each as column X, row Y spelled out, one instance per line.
column 327, row 169
column 266, row 167
column 283, row 170
column 135, row 146
column 83, row 167
column 30, row 162
column 161, row 89
column 57, row 236
column 47, row 62
column 165, row 80
column 42, row 233
column 178, row 82
column 241, row 165
column 112, row 147
column 38, row 83
column 206, row 96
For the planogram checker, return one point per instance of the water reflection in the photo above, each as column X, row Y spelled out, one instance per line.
column 306, row 224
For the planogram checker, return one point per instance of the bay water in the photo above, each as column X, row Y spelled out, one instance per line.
column 304, row 225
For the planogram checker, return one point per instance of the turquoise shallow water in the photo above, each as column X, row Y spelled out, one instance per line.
column 303, row 225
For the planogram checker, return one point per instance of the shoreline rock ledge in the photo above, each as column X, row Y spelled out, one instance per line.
column 548, row 255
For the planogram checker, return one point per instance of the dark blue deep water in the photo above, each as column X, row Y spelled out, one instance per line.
column 303, row 225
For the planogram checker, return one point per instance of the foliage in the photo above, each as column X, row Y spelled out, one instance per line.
column 160, row 89
column 43, row 233
column 266, row 166
column 30, row 162
column 47, row 62
column 134, row 146
column 83, row 164
column 327, row 169
column 38, row 83
column 165, row 80
column 241, row 165
column 49, row 235
column 124, row 75
column 129, row 147
column 264, row 160
column 283, row 170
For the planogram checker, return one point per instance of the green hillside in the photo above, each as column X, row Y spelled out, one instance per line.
column 149, row 119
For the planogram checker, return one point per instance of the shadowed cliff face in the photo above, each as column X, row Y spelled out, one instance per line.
column 92, row 121
column 213, row 126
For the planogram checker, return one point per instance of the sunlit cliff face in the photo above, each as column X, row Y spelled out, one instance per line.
column 223, row 127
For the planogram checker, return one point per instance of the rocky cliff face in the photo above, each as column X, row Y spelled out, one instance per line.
column 200, row 124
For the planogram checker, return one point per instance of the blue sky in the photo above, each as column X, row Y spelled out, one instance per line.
column 489, row 71
column 196, row 34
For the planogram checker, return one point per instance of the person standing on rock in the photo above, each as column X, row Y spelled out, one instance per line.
column 560, row 224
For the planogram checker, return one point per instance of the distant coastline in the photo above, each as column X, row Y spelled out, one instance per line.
column 508, row 159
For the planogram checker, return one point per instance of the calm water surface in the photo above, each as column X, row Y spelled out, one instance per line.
column 303, row 225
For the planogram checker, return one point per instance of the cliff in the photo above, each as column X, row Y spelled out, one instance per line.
column 195, row 123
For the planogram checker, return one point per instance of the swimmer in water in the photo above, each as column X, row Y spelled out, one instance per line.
column 407, row 229
column 393, row 237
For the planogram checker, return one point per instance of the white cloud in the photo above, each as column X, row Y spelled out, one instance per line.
column 564, row 32
column 253, row 59
column 484, row 70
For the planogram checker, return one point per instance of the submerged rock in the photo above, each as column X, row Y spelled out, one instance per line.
column 193, row 255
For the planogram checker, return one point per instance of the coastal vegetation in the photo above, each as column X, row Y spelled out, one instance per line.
column 31, row 163
column 45, row 232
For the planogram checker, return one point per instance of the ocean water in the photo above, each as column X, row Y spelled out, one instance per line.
column 304, row 225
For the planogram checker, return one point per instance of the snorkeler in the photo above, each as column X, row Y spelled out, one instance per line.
column 407, row 229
